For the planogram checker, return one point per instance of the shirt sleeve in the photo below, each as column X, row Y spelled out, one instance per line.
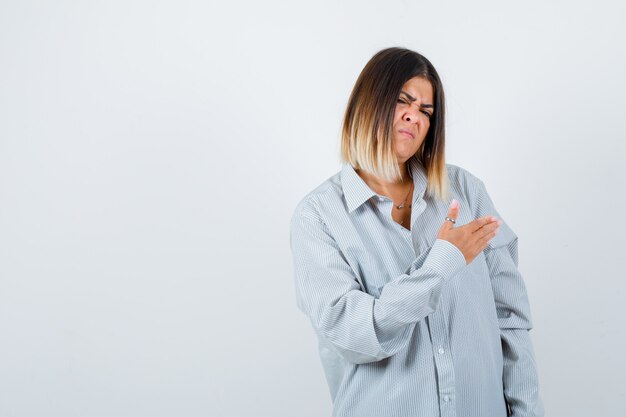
column 520, row 379
column 356, row 325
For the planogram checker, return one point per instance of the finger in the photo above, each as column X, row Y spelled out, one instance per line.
column 481, row 221
column 488, row 227
column 453, row 212
column 484, row 241
column 492, row 223
column 487, row 230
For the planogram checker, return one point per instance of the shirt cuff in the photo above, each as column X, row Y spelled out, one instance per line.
column 445, row 259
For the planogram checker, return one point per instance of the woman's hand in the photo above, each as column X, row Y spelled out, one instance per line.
column 472, row 237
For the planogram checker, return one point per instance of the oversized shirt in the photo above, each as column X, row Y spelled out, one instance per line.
column 405, row 326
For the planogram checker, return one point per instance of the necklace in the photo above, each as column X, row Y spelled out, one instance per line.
column 402, row 205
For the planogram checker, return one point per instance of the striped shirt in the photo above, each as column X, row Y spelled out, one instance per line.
column 405, row 326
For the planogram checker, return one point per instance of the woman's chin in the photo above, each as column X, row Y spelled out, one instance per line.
column 404, row 154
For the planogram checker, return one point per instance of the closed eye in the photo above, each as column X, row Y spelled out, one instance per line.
column 403, row 101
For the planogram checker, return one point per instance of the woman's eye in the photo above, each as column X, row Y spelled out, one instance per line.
column 403, row 101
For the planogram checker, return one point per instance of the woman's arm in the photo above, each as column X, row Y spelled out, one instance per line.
column 358, row 326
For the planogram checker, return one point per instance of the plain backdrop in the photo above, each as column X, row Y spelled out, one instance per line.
column 152, row 154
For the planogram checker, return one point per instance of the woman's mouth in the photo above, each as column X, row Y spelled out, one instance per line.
column 407, row 133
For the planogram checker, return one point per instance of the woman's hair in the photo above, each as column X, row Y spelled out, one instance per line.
column 367, row 133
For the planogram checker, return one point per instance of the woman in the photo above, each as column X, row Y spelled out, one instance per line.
column 418, row 304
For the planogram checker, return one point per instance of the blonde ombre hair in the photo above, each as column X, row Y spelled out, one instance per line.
column 367, row 133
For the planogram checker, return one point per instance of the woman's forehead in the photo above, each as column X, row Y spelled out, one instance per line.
column 418, row 88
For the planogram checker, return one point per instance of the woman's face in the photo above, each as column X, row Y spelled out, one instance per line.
column 412, row 117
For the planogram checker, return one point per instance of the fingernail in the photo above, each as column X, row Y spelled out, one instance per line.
column 455, row 203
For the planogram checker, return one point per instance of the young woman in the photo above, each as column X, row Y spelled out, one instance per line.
column 417, row 302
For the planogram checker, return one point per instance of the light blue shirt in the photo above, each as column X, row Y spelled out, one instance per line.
column 405, row 327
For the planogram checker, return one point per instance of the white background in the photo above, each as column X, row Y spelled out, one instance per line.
column 152, row 153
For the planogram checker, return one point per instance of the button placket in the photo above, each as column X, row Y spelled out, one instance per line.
column 443, row 361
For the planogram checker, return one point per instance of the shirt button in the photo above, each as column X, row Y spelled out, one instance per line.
column 446, row 398
column 440, row 351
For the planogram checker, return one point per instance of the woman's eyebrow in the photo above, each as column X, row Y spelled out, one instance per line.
column 412, row 99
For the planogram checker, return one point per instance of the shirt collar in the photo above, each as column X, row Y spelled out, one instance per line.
column 356, row 191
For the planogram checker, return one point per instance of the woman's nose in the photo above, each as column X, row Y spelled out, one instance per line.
column 411, row 115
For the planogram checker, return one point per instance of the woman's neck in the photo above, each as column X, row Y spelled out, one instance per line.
column 389, row 189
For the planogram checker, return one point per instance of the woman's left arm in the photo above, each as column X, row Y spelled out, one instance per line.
column 520, row 379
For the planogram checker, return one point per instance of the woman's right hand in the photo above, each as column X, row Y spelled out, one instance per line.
column 471, row 238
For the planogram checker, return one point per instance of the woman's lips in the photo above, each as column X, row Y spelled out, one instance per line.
column 407, row 133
